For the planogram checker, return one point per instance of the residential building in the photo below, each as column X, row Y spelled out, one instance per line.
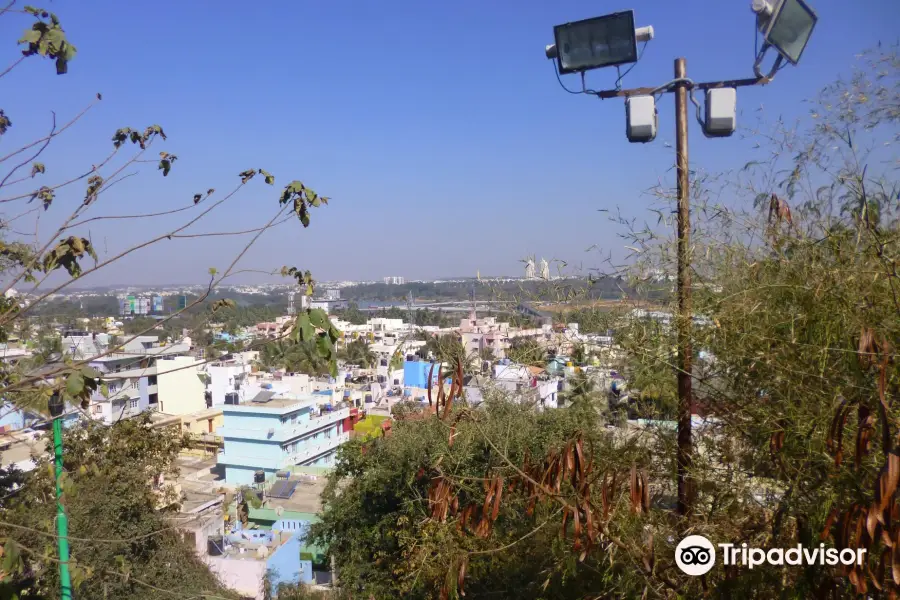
column 179, row 386
column 484, row 334
column 243, row 558
column 132, row 375
column 394, row 280
column 529, row 384
column 274, row 432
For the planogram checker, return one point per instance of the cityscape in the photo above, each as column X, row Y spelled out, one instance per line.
column 453, row 335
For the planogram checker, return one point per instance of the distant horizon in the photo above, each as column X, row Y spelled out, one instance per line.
column 286, row 282
column 445, row 164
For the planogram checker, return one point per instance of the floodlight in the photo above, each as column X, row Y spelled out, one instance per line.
column 594, row 43
column 721, row 110
column 641, row 118
column 788, row 26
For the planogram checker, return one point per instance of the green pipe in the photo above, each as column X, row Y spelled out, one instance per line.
column 62, row 522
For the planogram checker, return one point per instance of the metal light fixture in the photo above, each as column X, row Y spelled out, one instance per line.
column 786, row 26
column 594, row 43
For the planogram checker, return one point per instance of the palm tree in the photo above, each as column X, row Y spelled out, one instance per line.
column 359, row 353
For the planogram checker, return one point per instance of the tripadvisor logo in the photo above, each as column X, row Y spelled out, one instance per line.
column 695, row 555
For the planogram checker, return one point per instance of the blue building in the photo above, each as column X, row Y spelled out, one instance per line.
column 415, row 377
column 273, row 433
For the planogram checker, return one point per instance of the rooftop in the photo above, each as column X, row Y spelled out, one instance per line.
column 280, row 404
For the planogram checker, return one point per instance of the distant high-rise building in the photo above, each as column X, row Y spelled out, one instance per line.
column 394, row 280
column 529, row 269
column 332, row 294
column 157, row 304
column 182, row 302
column 545, row 269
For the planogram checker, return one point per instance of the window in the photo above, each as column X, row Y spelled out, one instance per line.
column 293, row 419
column 134, row 403
column 97, row 409
column 328, row 433
column 295, row 447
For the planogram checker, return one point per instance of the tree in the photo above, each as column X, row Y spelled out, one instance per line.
column 352, row 314
column 582, row 392
column 110, row 496
column 358, row 352
column 108, row 469
column 796, row 319
column 394, row 533
column 54, row 262
column 527, row 351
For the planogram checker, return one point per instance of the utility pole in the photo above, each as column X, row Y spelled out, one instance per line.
column 684, row 456
column 56, row 406
column 786, row 26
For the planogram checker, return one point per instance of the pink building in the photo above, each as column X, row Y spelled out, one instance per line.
column 486, row 333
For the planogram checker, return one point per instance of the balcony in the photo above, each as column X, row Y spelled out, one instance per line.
column 310, row 452
column 304, row 453
column 287, row 431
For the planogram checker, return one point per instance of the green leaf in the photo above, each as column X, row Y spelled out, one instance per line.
column 90, row 372
column 30, row 37
column 104, row 390
column 74, row 384
column 324, row 346
column 319, row 318
column 303, row 213
column 307, row 331
column 270, row 179
column 213, row 271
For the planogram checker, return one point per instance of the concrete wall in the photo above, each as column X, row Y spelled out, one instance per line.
column 180, row 391
column 244, row 475
column 245, row 576
column 285, row 566
column 221, row 380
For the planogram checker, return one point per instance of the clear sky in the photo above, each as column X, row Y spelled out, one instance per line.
column 438, row 128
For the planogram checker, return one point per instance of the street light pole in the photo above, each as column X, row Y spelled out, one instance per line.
column 56, row 406
column 685, row 447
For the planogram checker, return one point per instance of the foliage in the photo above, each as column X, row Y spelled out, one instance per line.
column 795, row 333
column 527, row 351
column 359, row 353
column 47, row 38
column 293, row 358
column 379, row 522
column 122, row 545
column 109, row 495
column 796, row 321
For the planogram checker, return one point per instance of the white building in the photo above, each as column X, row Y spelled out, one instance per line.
column 394, row 280
column 545, row 269
column 141, row 375
column 529, row 269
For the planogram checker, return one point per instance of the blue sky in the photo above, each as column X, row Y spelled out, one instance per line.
column 438, row 128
